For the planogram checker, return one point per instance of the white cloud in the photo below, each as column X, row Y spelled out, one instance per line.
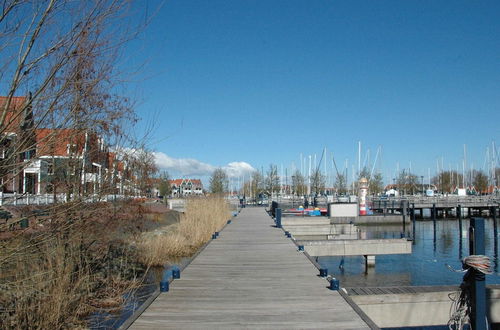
column 194, row 167
column 238, row 169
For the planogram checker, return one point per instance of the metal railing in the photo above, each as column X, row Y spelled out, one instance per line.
column 44, row 199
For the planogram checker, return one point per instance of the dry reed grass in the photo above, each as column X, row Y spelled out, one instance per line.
column 53, row 279
column 202, row 217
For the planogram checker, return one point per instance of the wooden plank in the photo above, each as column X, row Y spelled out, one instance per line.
column 252, row 276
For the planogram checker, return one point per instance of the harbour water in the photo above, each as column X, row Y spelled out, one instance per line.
column 432, row 251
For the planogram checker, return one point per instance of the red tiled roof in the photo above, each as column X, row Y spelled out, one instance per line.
column 12, row 117
column 178, row 182
column 54, row 142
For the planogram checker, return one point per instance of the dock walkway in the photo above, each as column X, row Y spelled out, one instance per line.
column 251, row 277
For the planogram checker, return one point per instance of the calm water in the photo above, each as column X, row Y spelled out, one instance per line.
column 432, row 250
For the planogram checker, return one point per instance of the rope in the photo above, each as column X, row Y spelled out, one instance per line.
column 460, row 309
column 480, row 263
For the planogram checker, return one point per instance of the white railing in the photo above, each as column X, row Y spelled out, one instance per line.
column 43, row 199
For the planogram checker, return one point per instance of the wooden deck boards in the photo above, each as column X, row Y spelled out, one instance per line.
column 252, row 276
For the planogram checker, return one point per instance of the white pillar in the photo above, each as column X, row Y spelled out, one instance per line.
column 38, row 191
column 369, row 262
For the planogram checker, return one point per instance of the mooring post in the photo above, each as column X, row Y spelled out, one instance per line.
column 404, row 211
column 164, row 283
column 176, row 272
column 478, row 285
column 278, row 217
column 413, row 220
column 495, row 237
column 494, row 216
column 334, row 284
column 323, row 272
column 459, row 213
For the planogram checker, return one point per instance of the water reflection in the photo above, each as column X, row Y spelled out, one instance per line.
column 435, row 245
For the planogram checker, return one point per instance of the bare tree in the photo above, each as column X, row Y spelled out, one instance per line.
column 256, row 184
column 298, row 184
column 407, row 182
column 341, row 184
column 317, row 182
column 480, row 182
column 219, row 181
column 376, row 184
column 446, row 181
column 272, row 179
column 61, row 56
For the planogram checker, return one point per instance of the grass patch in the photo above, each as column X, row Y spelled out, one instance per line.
column 202, row 217
column 53, row 276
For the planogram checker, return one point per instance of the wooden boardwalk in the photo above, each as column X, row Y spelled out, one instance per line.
column 251, row 277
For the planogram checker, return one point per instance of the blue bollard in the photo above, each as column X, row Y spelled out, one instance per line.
column 228, row 222
column 278, row 218
column 301, row 247
column 287, row 234
column 214, row 236
column 334, row 284
column 323, row 272
column 164, row 285
column 176, row 272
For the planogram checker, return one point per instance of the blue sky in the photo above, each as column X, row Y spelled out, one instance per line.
column 249, row 83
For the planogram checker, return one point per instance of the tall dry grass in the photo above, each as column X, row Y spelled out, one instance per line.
column 54, row 278
column 202, row 217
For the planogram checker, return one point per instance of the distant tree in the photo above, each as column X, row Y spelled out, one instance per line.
column 272, row 179
column 376, row 184
column 256, row 184
column 298, row 184
column 164, row 187
column 317, row 182
column 446, row 181
column 341, row 184
column 480, row 181
column 219, row 181
column 407, row 182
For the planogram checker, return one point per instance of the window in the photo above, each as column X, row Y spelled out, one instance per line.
column 50, row 169
column 71, row 149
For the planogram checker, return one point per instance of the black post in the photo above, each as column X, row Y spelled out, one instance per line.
column 459, row 214
column 478, row 285
column 434, row 224
column 404, row 211
column 495, row 237
column 413, row 221
column 434, row 215
column 278, row 217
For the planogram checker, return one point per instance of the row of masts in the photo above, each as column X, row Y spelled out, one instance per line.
column 462, row 175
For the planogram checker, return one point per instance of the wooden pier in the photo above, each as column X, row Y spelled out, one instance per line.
column 252, row 276
column 443, row 204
